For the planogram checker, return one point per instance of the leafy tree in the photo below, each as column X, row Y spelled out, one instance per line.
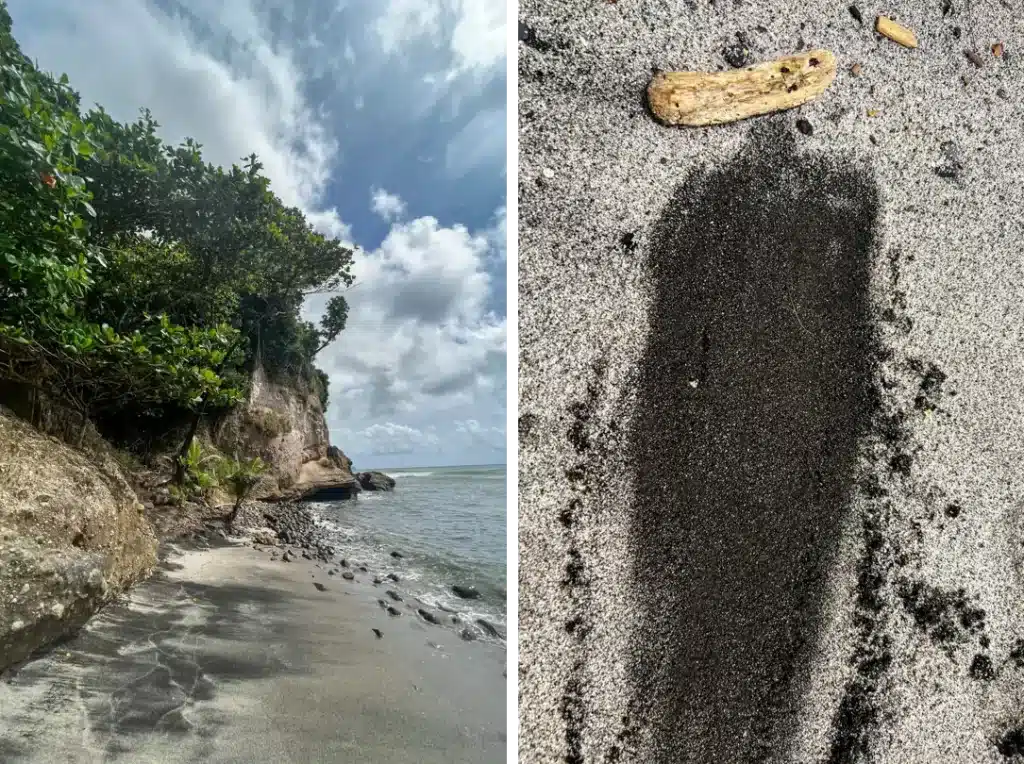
column 135, row 277
column 48, row 265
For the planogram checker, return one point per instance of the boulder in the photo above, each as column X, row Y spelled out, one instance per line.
column 73, row 536
column 265, row 536
column 375, row 481
column 466, row 592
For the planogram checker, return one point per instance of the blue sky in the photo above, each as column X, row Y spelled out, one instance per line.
column 386, row 123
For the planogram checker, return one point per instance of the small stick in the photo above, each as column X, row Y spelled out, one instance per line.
column 714, row 98
column 899, row 34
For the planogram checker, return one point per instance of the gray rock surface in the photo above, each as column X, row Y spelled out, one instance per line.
column 376, row 481
column 72, row 536
column 285, row 426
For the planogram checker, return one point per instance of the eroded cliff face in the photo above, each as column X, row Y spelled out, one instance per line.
column 72, row 535
column 285, row 427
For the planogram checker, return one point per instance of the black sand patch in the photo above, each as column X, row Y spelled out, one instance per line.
column 755, row 391
column 949, row 618
column 584, row 477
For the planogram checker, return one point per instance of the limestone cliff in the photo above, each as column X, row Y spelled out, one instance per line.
column 284, row 425
column 72, row 535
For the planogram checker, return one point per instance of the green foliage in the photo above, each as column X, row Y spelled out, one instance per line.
column 134, row 276
column 200, row 471
column 322, row 382
column 240, row 476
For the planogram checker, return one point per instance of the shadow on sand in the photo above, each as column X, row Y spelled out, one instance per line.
column 145, row 666
column 756, row 389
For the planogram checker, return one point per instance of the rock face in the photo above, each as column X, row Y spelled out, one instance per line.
column 376, row 481
column 285, row 426
column 72, row 536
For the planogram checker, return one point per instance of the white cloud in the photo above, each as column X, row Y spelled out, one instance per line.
column 406, row 19
column 421, row 337
column 391, row 439
column 486, row 437
column 479, row 144
column 479, row 36
column 388, row 206
column 472, row 30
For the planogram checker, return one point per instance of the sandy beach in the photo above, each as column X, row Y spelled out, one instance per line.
column 225, row 655
column 769, row 419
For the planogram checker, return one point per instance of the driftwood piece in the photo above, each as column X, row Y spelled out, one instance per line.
column 895, row 32
column 714, row 98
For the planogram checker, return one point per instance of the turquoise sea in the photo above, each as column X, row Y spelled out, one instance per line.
column 447, row 522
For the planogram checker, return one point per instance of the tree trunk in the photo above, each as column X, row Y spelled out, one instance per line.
column 234, row 512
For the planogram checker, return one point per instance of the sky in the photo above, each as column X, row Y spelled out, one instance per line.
column 385, row 122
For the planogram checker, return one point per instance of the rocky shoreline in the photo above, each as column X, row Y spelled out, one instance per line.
column 288, row 532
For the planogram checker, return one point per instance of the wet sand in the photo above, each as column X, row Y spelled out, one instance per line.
column 227, row 656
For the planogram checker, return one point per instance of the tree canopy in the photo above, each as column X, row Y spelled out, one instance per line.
column 136, row 277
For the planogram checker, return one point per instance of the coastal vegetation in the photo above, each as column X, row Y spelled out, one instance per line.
column 141, row 285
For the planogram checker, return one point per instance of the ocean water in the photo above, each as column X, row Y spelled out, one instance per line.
column 447, row 522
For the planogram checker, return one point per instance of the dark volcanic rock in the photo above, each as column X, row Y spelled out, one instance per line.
column 375, row 481
column 393, row 610
column 394, row 595
column 397, row 555
column 468, row 634
column 466, row 592
column 489, row 628
column 428, row 616
column 319, row 586
column 393, row 577
column 348, row 575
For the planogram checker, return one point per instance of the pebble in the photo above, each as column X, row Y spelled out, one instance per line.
column 466, row 592
column 548, row 173
column 428, row 616
column 488, row 627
